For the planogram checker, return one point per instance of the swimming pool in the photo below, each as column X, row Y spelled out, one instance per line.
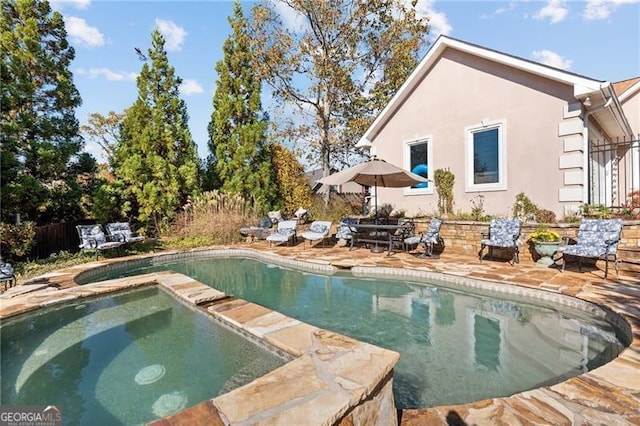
column 124, row 359
column 455, row 346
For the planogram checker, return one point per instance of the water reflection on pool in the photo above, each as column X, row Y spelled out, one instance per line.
column 455, row 346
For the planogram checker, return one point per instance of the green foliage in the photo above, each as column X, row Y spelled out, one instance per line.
column 339, row 206
column 525, row 209
column 337, row 69
column 595, row 210
column 156, row 161
column 291, row 183
column 443, row 180
column 105, row 131
column 237, row 140
column 16, row 241
column 544, row 235
column 39, row 135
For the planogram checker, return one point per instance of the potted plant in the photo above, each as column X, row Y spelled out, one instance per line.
column 545, row 242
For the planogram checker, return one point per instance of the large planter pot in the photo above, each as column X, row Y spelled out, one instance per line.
column 546, row 250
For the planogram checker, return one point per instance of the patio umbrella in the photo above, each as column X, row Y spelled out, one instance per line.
column 375, row 172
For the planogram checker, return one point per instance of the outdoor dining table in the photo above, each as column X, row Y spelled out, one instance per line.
column 367, row 233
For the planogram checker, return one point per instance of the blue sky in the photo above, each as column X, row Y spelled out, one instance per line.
column 595, row 38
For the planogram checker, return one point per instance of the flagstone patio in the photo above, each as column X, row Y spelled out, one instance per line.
column 607, row 395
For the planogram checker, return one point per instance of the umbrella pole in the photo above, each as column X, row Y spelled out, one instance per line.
column 375, row 184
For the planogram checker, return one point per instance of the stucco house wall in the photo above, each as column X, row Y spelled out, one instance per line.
column 545, row 119
column 462, row 90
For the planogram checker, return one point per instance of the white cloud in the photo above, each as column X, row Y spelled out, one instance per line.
column 191, row 87
column 173, row 34
column 81, row 33
column 438, row 22
column 499, row 11
column 106, row 73
column 555, row 11
column 77, row 4
column 291, row 19
column 550, row 58
column 602, row 9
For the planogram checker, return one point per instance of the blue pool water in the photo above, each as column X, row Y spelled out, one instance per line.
column 455, row 347
column 124, row 359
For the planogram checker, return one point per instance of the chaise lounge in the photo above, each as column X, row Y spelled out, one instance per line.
column 285, row 232
column 318, row 230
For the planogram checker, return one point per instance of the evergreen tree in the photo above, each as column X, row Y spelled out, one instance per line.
column 156, row 160
column 41, row 164
column 237, row 128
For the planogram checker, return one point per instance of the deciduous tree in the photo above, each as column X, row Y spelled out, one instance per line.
column 336, row 66
column 237, row 131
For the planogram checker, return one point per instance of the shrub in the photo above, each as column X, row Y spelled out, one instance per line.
column 17, row 240
column 443, row 180
column 545, row 216
column 215, row 216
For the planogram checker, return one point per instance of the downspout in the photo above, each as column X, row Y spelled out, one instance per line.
column 585, row 146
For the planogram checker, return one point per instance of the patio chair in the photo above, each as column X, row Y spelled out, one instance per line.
column 503, row 233
column 275, row 216
column 345, row 232
column 285, row 232
column 406, row 229
column 92, row 237
column 318, row 230
column 597, row 238
column 300, row 215
column 121, row 231
column 430, row 237
column 7, row 279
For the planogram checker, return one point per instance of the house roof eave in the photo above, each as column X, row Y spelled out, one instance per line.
column 580, row 83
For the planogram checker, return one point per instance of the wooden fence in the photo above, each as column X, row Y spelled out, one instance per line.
column 55, row 238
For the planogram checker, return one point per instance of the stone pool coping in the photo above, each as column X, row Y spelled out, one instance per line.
column 607, row 395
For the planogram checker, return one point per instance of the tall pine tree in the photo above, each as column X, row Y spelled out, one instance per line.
column 41, row 158
column 238, row 127
column 156, row 160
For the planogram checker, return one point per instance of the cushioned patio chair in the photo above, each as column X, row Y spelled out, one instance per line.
column 318, row 230
column 503, row 233
column 430, row 237
column 121, row 231
column 92, row 237
column 285, row 232
column 406, row 229
column 301, row 215
column 597, row 238
column 345, row 232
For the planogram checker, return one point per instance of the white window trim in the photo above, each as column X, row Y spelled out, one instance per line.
column 406, row 155
column 501, row 185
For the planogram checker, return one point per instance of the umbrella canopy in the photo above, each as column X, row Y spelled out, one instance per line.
column 375, row 173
